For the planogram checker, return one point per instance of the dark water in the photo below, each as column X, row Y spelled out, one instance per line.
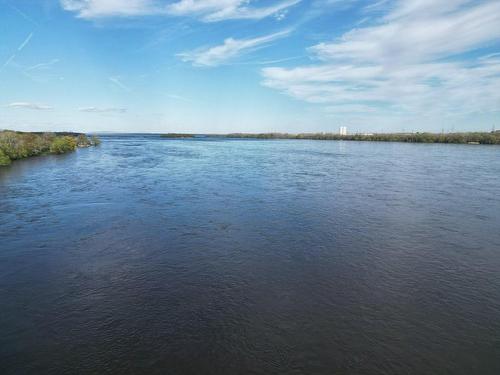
column 149, row 256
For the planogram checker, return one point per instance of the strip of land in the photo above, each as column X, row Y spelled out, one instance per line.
column 456, row 138
column 19, row 145
column 177, row 135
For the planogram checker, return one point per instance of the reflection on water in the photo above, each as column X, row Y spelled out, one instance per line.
column 242, row 256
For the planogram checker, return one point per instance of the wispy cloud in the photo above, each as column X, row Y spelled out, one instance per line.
column 102, row 110
column 43, row 66
column 230, row 49
column 218, row 10
column 206, row 10
column 27, row 105
column 416, row 60
column 111, row 8
column 269, row 62
column 418, row 33
column 277, row 61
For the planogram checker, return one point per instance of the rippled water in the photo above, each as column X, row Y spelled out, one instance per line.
column 151, row 256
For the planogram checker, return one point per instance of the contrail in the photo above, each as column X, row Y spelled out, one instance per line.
column 178, row 97
column 26, row 41
column 117, row 82
column 24, row 15
column 20, row 48
column 43, row 65
column 9, row 60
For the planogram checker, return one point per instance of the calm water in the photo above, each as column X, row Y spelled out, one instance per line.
column 150, row 256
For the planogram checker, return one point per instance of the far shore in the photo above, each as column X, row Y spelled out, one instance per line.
column 491, row 138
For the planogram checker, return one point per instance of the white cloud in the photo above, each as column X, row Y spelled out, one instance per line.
column 110, row 8
column 102, row 110
column 413, row 62
column 26, row 105
column 231, row 48
column 207, row 10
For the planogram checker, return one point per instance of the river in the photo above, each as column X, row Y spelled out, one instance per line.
column 226, row 256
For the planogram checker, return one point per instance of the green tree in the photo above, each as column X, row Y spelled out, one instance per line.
column 12, row 145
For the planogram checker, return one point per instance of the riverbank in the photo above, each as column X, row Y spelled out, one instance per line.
column 456, row 138
column 19, row 145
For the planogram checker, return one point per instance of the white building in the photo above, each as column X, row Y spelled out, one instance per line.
column 343, row 130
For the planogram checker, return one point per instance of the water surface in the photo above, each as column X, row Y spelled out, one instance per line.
column 154, row 256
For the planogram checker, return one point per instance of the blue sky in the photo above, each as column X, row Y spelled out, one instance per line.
column 249, row 66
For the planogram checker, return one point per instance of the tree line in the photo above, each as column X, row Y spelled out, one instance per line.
column 459, row 138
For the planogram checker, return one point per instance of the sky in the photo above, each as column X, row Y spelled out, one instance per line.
column 219, row 66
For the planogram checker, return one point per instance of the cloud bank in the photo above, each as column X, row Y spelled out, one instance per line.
column 422, row 57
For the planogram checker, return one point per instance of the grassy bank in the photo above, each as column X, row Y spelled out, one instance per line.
column 20, row 145
column 458, row 138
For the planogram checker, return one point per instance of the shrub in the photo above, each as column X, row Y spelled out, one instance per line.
column 61, row 145
column 83, row 141
column 4, row 159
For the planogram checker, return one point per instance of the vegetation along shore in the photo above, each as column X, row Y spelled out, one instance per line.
column 461, row 138
column 457, row 138
column 177, row 135
column 19, row 145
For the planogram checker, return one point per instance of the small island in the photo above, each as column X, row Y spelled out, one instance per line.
column 16, row 145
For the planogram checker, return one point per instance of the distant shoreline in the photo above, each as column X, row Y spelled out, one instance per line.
column 491, row 138
column 177, row 135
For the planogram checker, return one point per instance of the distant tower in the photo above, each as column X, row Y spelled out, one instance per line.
column 343, row 130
